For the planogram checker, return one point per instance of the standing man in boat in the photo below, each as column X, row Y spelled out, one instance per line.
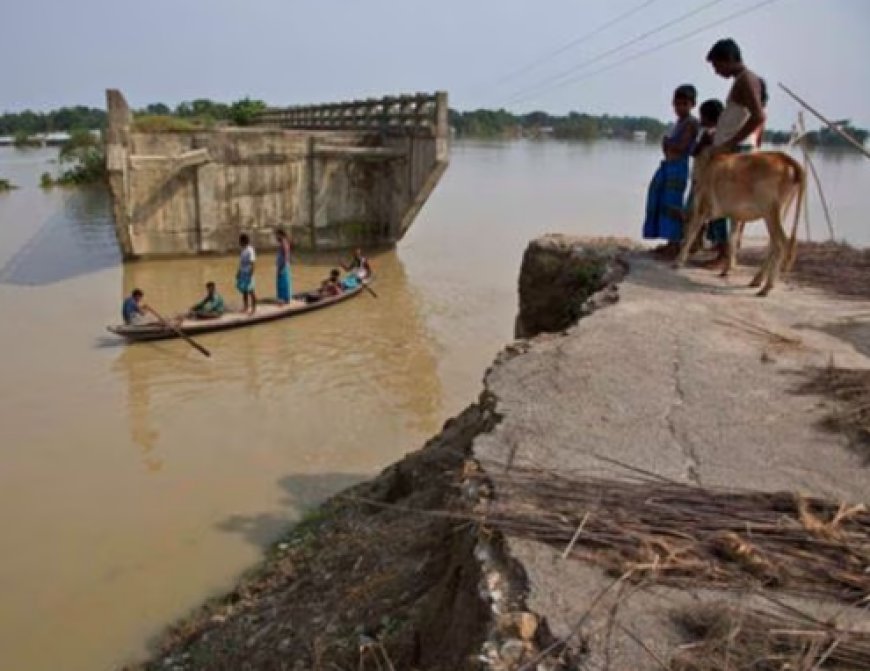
column 283, row 279
column 739, row 122
column 245, row 274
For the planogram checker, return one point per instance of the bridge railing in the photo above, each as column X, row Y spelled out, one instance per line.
column 420, row 111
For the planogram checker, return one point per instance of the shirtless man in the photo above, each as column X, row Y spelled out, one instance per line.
column 738, row 124
column 744, row 109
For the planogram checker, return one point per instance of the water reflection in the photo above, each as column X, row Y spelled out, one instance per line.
column 299, row 492
column 76, row 240
column 333, row 376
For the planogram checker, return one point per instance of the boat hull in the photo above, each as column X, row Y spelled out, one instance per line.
column 266, row 312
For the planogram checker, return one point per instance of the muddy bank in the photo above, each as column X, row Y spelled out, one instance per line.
column 359, row 577
column 683, row 379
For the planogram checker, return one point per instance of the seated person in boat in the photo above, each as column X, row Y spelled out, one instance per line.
column 134, row 311
column 210, row 307
column 330, row 287
column 359, row 265
column 350, row 281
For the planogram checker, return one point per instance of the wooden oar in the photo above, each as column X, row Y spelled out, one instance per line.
column 179, row 332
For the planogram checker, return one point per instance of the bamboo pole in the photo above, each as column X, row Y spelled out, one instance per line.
column 812, row 166
column 797, row 135
column 834, row 127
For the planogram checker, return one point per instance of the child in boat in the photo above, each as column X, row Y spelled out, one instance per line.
column 210, row 307
column 350, row 281
column 665, row 196
column 134, row 311
column 332, row 285
column 245, row 274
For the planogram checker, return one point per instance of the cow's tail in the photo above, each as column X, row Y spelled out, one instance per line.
column 801, row 178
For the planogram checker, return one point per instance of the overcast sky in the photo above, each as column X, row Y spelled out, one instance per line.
column 293, row 52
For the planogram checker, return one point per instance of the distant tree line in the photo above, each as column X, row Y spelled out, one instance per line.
column 199, row 112
column 204, row 112
column 64, row 119
column 484, row 123
column 84, row 153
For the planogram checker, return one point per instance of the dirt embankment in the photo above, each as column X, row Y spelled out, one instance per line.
column 653, row 487
column 394, row 573
column 360, row 579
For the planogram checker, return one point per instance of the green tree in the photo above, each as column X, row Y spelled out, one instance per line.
column 159, row 109
column 85, row 153
column 242, row 112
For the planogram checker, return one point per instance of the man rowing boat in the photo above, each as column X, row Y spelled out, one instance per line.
column 359, row 265
column 134, row 311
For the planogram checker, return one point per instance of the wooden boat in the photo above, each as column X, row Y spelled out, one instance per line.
column 267, row 311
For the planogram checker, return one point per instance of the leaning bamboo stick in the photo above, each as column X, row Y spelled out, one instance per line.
column 834, row 127
column 808, row 162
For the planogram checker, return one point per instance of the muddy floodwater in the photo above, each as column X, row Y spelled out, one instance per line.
column 137, row 480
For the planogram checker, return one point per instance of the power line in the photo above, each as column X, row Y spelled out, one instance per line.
column 658, row 47
column 573, row 43
column 567, row 73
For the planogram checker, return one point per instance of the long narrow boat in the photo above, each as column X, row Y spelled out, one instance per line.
column 267, row 311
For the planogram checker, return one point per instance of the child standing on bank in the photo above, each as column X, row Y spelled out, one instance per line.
column 717, row 230
column 245, row 274
column 664, row 208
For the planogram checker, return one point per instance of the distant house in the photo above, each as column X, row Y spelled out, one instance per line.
column 44, row 139
column 639, row 136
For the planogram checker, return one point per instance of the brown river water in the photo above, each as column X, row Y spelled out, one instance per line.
column 135, row 481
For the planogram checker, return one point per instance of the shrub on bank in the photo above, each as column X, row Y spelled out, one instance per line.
column 163, row 123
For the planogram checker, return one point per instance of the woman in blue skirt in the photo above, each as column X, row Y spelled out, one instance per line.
column 283, row 280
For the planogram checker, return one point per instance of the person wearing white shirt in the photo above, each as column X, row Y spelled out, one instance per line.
column 245, row 274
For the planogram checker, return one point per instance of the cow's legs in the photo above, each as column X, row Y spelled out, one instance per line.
column 776, row 251
column 758, row 278
column 732, row 245
column 693, row 228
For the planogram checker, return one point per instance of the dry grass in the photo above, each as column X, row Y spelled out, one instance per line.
column 832, row 266
column 850, row 389
column 160, row 123
column 688, row 536
column 725, row 638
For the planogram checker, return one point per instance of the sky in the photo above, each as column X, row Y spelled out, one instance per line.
column 483, row 53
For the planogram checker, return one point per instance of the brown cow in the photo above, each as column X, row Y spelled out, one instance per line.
column 746, row 187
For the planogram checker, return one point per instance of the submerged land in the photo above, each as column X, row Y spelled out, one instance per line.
column 662, row 471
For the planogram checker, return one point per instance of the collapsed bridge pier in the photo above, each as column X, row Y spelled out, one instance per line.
column 333, row 176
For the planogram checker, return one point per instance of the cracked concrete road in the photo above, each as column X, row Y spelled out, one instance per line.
column 688, row 376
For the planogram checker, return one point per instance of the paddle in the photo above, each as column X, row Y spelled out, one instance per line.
column 365, row 286
column 179, row 332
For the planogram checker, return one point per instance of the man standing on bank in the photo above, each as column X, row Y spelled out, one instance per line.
column 742, row 117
